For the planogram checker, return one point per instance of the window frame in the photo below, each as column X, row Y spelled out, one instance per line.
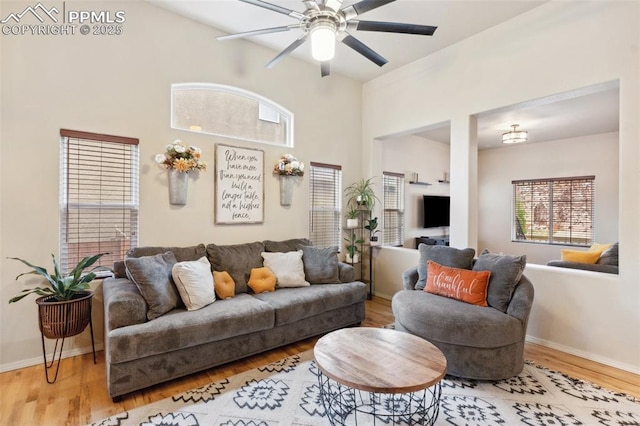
column 70, row 175
column 335, row 197
column 520, row 234
column 396, row 180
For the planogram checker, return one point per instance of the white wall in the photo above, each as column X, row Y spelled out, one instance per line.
column 591, row 155
column 532, row 56
column 430, row 159
column 120, row 85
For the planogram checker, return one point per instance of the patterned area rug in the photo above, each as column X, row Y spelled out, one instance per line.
column 286, row 393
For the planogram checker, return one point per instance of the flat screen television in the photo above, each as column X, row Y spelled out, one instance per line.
column 436, row 211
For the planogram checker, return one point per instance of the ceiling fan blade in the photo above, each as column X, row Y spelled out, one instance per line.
column 394, row 27
column 364, row 50
column 275, row 8
column 325, row 68
column 363, row 6
column 311, row 5
column 258, row 32
column 333, row 4
column 293, row 46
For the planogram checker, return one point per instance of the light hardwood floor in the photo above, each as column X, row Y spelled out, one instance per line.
column 80, row 396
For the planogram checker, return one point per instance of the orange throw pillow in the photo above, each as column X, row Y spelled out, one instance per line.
column 580, row 256
column 262, row 280
column 460, row 284
column 224, row 285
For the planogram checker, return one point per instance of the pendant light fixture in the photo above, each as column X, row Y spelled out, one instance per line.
column 515, row 135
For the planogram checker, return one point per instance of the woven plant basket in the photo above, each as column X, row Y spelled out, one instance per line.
column 66, row 318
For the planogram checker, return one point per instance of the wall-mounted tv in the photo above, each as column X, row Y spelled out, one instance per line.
column 436, row 211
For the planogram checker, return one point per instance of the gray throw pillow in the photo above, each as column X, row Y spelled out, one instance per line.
column 609, row 256
column 152, row 276
column 506, row 271
column 182, row 254
column 321, row 265
column 286, row 245
column 445, row 256
column 238, row 260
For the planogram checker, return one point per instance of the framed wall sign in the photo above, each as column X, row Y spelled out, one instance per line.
column 239, row 185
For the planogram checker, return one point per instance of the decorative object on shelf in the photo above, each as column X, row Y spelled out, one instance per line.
column 286, row 168
column 239, row 185
column 515, row 135
column 352, row 218
column 371, row 226
column 415, row 181
column 64, row 307
column 445, row 178
column 180, row 159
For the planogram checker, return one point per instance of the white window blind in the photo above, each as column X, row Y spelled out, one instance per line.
column 393, row 204
column 325, row 181
column 554, row 211
column 98, row 197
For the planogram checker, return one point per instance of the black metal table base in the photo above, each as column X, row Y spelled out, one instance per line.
column 348, row 406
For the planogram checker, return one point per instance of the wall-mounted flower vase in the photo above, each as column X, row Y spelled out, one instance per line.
column 178, row 185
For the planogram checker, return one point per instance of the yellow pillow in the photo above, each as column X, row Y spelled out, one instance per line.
column 224, row 285
column 262, row 280
column 580, row 256
column 600, row 248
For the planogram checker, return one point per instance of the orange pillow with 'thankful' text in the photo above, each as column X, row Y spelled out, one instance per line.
column 461, row 284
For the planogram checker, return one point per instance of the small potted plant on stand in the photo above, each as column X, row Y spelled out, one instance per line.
column 352, row 218
column 352, row 248
column 64, row 306
column 371, row 226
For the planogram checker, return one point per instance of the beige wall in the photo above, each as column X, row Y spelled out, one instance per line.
column 120, row 85
column 551, row 49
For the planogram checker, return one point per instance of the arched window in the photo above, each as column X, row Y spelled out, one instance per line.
column 230, row 112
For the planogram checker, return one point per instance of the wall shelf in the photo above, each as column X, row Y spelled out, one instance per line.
column 419, row 183
column 444, row 181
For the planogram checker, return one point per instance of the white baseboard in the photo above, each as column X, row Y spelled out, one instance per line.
column 39, row 361
column 586, row 355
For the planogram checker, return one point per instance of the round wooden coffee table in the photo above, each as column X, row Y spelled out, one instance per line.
column 386, row 375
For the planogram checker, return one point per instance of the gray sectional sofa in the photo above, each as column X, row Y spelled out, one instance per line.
column 140, row 352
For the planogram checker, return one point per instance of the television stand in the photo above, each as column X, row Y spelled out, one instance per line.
column 441, row 240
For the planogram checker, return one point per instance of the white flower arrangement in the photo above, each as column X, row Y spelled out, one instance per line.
column 181, row 157
column 288, row 165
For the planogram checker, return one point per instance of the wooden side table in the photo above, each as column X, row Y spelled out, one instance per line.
column 387, row 375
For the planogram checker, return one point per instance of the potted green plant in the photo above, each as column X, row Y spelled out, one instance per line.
column 371, row 226
column 361, row 193
column 64, row 303
column 352, row 218
column 352, row 248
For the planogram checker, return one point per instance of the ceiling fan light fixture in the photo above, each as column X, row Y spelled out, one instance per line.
column 323, row 40
column 515, row 135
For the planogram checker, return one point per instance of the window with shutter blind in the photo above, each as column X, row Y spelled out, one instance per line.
column 98, row 197
column 325, row 213
column 554, row 211
column 393, row 204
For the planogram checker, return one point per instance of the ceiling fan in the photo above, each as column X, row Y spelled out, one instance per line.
column 324, row 22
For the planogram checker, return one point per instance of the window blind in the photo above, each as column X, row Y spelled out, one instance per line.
column 325, row 182
column 98, row 197
column 554, row 211
column 393, row 204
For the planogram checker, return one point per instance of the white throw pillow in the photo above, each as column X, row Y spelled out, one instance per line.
column 287, row 267
column 195, row 283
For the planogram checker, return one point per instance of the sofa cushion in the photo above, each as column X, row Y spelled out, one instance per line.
column 444, row 255
column 286, row 245
column 152, row 276
column 182, row 254
column 180, row 329
column 609, row 256
column 287, row 267
column 579, row 256
column 506, row 271
column 238, row 260
column 262, row 280
column 460, row 284
column 293, row 304
column 194, row 282
column 446, row 320
column 223, row 285
column 321, row 264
